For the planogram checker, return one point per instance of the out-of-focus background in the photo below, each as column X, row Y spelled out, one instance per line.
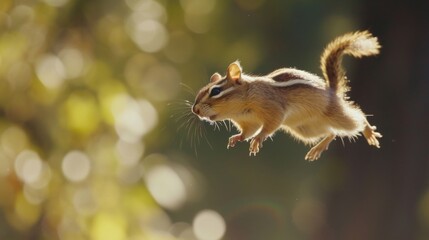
column 96, row 141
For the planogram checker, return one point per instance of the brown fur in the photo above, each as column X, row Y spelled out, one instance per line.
column 310, row 109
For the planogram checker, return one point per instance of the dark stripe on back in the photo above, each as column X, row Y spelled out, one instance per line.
column 285, row 76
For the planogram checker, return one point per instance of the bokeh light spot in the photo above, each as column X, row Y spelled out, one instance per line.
column 80, row 113
column 201, row 7
column 34, row 172
column 56, row 3
column 13, row 141
column 133, row 118
column 145, row 25
column 197, row 12
column 50, row 70
column 178, row 228
column 28, row 166
column 31, row 169
column 22, row 14
column 5, row 164
column 76, row 166
column 129, row 175
column 166, row 187
column 108, row 97
column 128, row 153
column 108, row 227
column 149, row 35
column 73, row 62
column 35, row 196
column 209, row 225
column 147, row 9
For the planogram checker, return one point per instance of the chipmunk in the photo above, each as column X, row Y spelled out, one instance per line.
column 309, row 108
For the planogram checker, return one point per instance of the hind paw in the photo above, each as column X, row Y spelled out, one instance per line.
column 371, row 135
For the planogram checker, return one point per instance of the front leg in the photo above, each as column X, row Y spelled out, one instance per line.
column 247, row 131
column 255, row 145
column 234, row 139
column 266, row 131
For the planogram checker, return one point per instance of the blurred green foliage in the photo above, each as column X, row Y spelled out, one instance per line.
column 95, row 141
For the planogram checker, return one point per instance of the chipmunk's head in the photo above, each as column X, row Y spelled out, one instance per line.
column 221, row 99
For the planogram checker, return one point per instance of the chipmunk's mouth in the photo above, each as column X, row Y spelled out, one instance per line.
column 204, row 115
column 210, row 118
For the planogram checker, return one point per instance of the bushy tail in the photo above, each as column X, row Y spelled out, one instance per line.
column 357, row 44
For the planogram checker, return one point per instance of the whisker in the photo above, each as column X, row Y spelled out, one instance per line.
column 200, row 131
column 204, row 133
column 181, row 112
column 197, row 134
column 227, row 126
column 186, row 123
column 191, row 130
column 187, row 88
column 182, row 117
column 215, row 126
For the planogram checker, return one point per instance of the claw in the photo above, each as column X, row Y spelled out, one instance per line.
column 233, row 140
column 313, row 154
column 255, row 145
column 317, row 150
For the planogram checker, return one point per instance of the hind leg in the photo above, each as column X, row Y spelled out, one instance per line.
column 371, row 135
column 317, row 150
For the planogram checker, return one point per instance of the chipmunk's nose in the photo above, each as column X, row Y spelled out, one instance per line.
column 195, row 109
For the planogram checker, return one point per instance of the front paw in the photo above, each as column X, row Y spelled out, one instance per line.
column 234, row 139
column 255, row 145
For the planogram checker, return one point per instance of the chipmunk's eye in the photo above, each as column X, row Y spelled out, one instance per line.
column 215, row 91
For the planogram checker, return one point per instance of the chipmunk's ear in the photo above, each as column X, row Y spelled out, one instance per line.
column 234, row 71
column 215, row 77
